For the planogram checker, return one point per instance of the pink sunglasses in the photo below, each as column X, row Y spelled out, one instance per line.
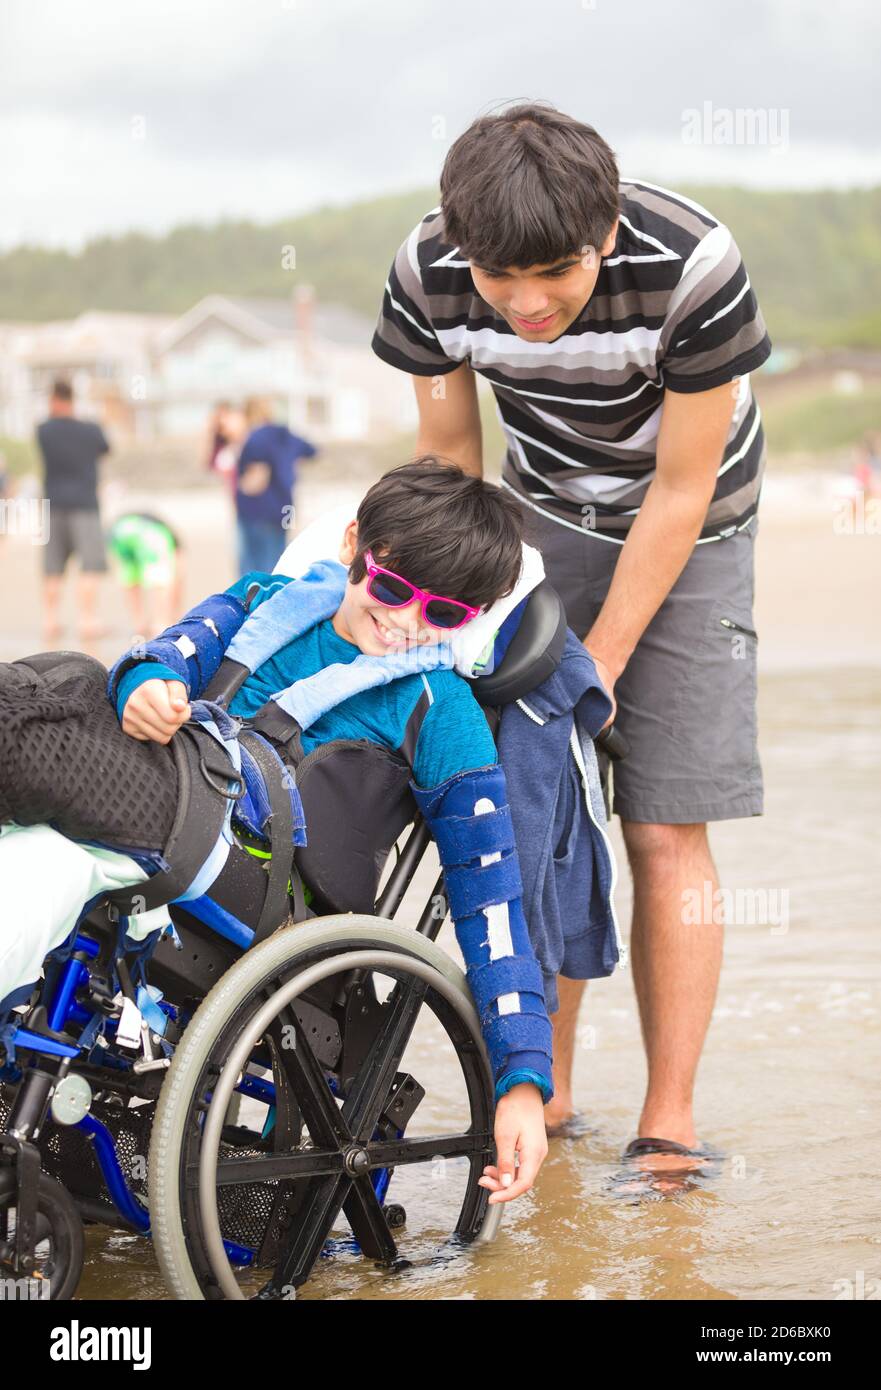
column 393, row 591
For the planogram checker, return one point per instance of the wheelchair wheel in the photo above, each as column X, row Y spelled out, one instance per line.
column 231, row 1205
column 59, row 1243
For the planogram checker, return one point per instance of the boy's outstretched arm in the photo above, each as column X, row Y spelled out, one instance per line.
column 470, row 820
column 189, row 651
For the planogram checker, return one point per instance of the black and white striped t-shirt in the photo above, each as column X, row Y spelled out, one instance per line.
column 672, row 309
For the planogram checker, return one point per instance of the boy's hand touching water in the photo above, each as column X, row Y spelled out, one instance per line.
column 155, row 710
column 520, row 1126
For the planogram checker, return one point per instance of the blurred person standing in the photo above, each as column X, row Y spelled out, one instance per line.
column 867, row 472
column 265, row 478
column 70, row 449
column 4, row 492
column 216, row 435
column 147, row 553
column 226, row 429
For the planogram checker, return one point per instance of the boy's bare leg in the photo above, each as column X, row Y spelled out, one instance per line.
column 175, row 599
column 564, row 1022
column 676, row 974
column 87, row 603
column 51, row 606
column 168, row 600
column 134, row 597
column 676, row 968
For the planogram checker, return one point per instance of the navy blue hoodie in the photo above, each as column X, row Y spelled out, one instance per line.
column 559, row 818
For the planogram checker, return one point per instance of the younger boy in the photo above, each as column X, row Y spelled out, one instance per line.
column 429, row 548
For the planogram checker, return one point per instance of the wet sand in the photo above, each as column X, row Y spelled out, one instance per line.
column 789, row 1084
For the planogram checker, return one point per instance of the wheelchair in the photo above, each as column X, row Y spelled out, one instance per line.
column 260, row 1120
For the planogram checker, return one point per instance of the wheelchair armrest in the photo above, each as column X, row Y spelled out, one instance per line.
column 534, row 652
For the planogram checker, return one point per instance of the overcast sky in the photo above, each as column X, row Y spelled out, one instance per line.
column 119, row 114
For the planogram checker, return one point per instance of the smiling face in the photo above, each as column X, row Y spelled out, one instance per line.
column 373, row 628
column 541, row 301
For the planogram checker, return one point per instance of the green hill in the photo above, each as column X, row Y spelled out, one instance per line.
column 813, row 257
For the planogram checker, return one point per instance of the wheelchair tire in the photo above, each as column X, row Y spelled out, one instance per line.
column 58, row 1221
column 181, row 1247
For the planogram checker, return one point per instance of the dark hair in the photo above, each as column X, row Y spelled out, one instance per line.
column 444, row 529
column 62, row 390
column 528, row 186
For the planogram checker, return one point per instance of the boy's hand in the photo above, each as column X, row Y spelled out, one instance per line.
column 520, row 1125
column 156, row 710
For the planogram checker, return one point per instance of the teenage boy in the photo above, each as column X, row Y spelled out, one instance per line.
column 616, row 325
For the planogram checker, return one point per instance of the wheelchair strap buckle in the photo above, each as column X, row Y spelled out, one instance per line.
column 228, row 774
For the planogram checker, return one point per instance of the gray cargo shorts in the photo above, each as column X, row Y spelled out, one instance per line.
column 687, row 697
column 74, row 531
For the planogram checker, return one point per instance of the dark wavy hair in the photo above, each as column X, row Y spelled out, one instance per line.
column 528, row 186
column 443, row 529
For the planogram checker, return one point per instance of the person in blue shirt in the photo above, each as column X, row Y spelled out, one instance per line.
column 266, row 473
column 431, row 546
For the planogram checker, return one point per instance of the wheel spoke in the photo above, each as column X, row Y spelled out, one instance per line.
column 270, row 1167
column 313, row 1164
column 295, row 1263
column 366, row 1217
column 305, row 1076
column 370, row 1089
column 288, row 1126
column 394, row 1153
column 326, row 1182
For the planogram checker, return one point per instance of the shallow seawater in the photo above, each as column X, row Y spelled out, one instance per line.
column 788, row 1089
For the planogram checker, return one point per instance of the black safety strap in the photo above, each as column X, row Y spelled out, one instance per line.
column 413, row 729
column 226, row 682
column 280, row 728
column 281, row 827
column 203, row 771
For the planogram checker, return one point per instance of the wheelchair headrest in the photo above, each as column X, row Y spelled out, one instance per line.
column 533, row 653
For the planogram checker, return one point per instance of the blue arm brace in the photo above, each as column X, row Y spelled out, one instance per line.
column 470, row 819
column 190, row 650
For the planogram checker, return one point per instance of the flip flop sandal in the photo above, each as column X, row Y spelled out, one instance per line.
column 709, row 1163
column 638, row 1183
column 637, row 1147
